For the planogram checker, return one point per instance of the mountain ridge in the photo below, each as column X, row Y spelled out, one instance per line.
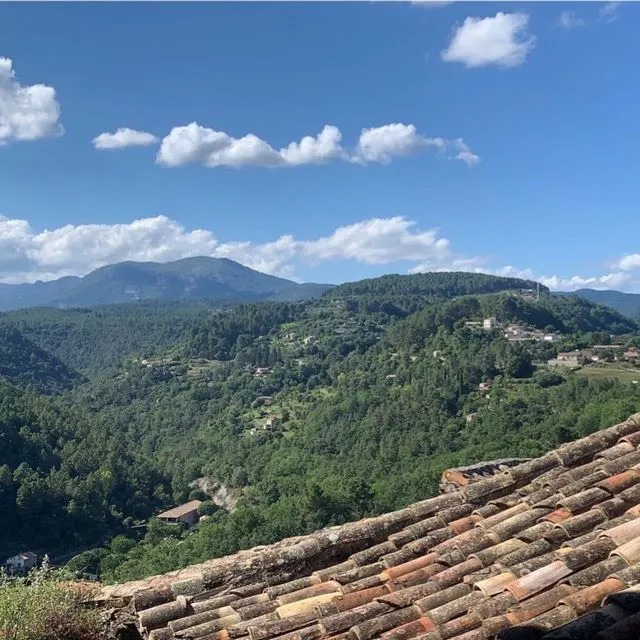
column 627, row 304
column 186, row 279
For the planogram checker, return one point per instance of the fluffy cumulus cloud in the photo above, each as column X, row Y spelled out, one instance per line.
column 502, row 40
column 629, row 262
column 27, row 255
column 381, row 144
column 26, row 112
column 76, row 249
column 195, row 144
column 123, row 138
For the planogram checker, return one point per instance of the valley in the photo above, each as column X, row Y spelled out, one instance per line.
column 304, row 414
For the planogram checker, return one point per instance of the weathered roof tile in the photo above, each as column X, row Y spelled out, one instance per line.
column 539, row 543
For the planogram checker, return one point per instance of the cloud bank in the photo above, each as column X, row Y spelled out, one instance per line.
column 27, row 255
column 26, row 112
column 195, row 144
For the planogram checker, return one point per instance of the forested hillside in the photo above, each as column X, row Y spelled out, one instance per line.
column 306, row 413
column 29, row 366
column 99, row 339
column 628, row 304
column 434, row 285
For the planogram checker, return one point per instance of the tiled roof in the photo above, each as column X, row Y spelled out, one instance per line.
column 457, row 477
column 541, row 543
column 180, row 510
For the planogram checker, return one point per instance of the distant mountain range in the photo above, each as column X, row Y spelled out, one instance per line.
column 628, row 304
column 189, row 279
column 217, row 279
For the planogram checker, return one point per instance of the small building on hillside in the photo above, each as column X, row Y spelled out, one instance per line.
column 632, row 354
column 569, row 359
column 516, row 333
column 488, row 324
column 21, row 563
column 272, row 422
column 185, row 513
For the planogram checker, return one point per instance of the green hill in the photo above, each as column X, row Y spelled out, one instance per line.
column 309, row 413
column 628, row 304
column 434, row 285
column 98, row 340
column 28, row 366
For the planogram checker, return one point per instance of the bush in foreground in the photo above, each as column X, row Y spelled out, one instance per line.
column 42, row 607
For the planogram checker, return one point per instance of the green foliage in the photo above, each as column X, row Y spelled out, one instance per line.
column 98, row 340
column 29, row 366
column 65, row 479
column 207, row 508
column 436, row 285
column 41, row 607
column 299, row 415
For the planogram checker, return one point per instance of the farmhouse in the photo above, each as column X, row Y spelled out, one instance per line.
column 185, row 513
column 22, row 562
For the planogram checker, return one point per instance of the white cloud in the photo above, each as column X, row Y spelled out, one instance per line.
column 27, row 255
column 378, row 241
column 194, row 143
column 502, row 40
column 123, row 138
column 380, row 144
column 629, row 262
column 464, row 153
column 568, row 20
column 572, row 283
column 324, row 147
column 614, row 280
column 611, row 280
column 609, row 11
column 26, row 112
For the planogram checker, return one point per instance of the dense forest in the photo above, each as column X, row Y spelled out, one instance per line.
column 281, row 416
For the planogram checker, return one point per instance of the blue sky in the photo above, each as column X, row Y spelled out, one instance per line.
column 322, row 141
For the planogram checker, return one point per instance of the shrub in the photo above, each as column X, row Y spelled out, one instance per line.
column 42, row 607
column 207, row 508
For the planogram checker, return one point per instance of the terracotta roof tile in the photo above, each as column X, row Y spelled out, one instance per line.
column 540, row 543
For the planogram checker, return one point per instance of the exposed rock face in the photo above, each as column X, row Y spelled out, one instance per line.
column 219, row 493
